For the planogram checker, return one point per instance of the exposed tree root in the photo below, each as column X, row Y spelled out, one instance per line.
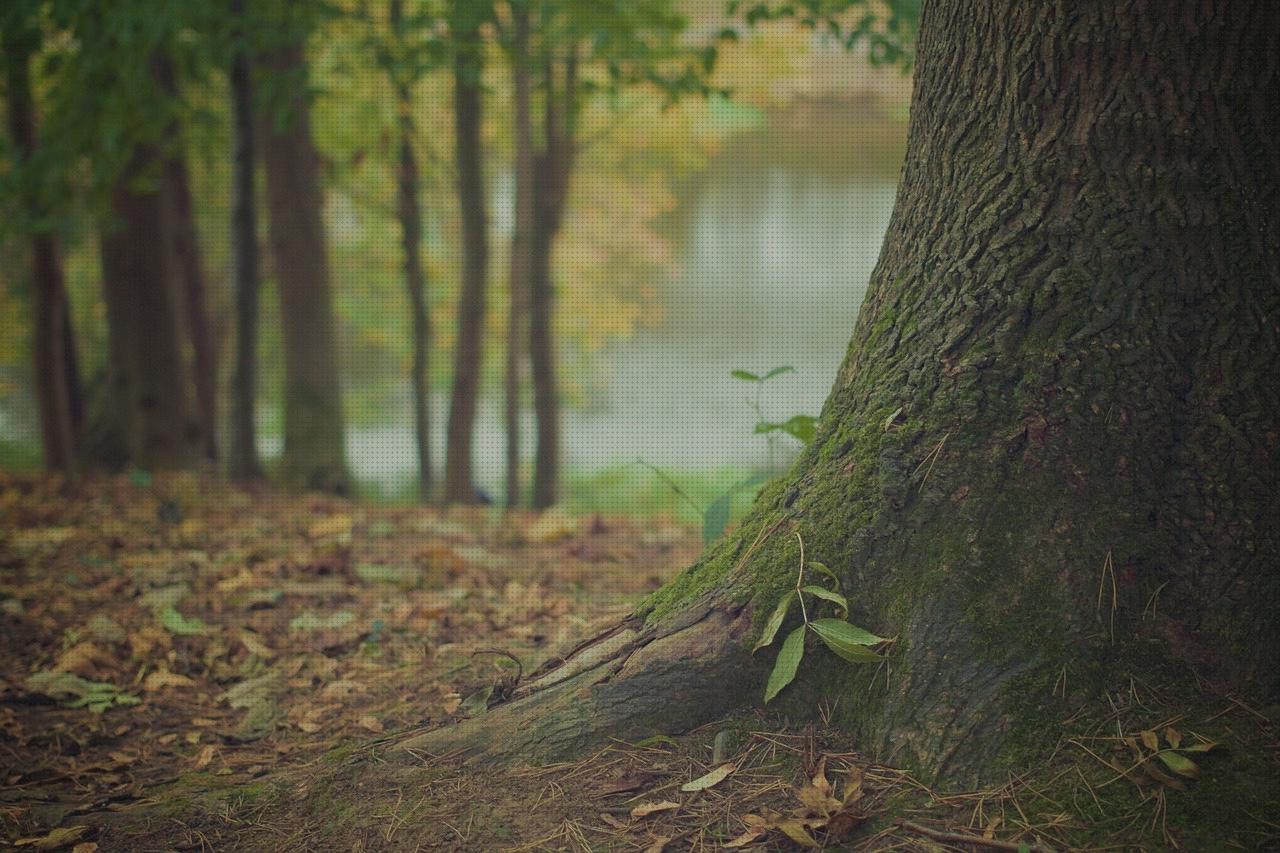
column 627, row 683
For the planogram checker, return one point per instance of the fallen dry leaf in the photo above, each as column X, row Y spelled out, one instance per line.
column 553, row 525
column 798, row 831
column 123, row 757
column 745, row 838
column 162, row 678
column 335, row 526
column 646, row 809
column 627, row 783
column 204, row 757
column 60, row 837
column 715, row 777
column 233, row 583
column 83, row 659
column 370, row 723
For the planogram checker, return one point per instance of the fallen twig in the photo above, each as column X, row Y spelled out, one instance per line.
column 965, row 838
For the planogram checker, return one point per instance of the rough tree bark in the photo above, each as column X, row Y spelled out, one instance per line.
column 1062, row 379
column 243, row 463
column 184, row 262
column 521, row 242
column 147, row 390
column 56, row 380
column 467, row 107
column 409, row 213
column 552, row 172
column 314, row 455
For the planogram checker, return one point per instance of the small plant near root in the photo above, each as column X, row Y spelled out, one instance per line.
column 848, row 641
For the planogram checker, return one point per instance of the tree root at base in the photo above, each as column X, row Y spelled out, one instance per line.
column 625, row 684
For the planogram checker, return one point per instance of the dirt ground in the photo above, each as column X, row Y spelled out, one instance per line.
column 190, row 666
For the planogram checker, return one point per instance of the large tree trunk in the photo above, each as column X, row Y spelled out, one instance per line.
column 243, row 463
column 56, row 380
column 184, row 257
column 521, row 267
column 147, row 390
column 458, row 484
column 409, row 213
column 1062, row 378
column 554, row 167
column 314, row 456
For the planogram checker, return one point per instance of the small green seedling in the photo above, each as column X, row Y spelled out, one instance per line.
column 800, row 427
column 850, row 642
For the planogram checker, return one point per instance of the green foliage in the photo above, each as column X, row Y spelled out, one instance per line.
column 175, row 623
column 848, row 641
column 716, row 517
column 775, row 621
column 887, row 27
column 800, row 427
column 72, row 691
column 787, row 663
column 716, row 514
column 803, row 428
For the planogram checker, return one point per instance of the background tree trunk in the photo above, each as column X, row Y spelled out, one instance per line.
column 184, row 257
column 243, row 463
column 1048, row 462
column 458, row 484
column 56, row 380
column 410, row 215
column 518, row 282
column 314, row 455
column 554, row 167
column 147, row 390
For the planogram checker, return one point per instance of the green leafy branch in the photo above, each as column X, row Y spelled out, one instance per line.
column 800, row 427
column 850, row 642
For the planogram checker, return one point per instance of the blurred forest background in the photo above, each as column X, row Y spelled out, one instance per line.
column 483, row 251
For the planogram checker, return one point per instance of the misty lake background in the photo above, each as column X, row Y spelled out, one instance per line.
column 774, row 260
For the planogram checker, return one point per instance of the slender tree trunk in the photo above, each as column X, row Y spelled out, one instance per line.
column 521, row 267
column 410, row 214
column 458, row 484
column 243, row 463
column 184, row 261
column 1062, row 380
column 52, row 349
column 147, row 389
column 70, row 361
column 314, row 456
column 554, row 168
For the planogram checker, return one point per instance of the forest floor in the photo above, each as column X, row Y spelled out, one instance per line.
column 190, row 666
